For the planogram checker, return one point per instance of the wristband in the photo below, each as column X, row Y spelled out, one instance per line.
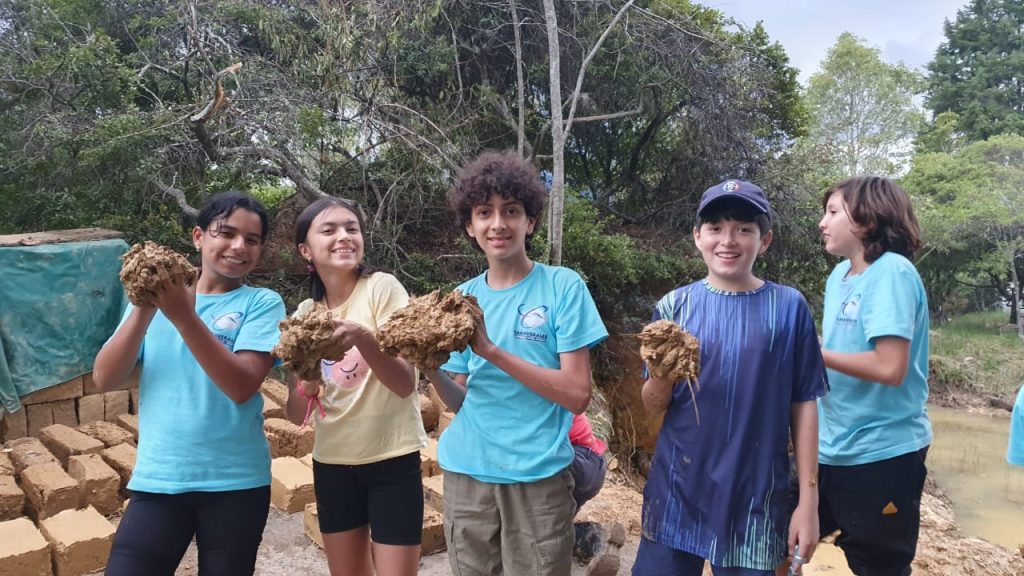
column 311, row 399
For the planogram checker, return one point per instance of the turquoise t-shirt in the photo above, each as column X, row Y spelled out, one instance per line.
column 192, row 437
column 1015, row 451
column 862, row 422
column 505, row 432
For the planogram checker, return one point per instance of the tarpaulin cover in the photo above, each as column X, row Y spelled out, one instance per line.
column 58, row 304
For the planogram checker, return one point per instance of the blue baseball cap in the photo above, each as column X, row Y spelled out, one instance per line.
column 740, row 189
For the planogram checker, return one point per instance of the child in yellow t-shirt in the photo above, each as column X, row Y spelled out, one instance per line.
column 366, row 465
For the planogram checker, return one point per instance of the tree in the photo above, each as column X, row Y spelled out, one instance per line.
column 972, row 208
column 978, row 72
column 863, row 108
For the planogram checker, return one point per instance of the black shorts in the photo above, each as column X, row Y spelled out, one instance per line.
column 877, row 508
column 387, row 495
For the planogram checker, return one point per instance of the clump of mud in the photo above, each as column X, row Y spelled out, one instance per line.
column 430, row 328
column 147, row 266
column 307, row 340
column 672, row 354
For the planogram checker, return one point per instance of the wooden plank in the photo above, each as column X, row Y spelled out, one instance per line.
column 57, row 237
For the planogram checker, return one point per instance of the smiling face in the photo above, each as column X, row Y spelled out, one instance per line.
column 230, row 247
column 500, row 227
column 841, row 236
column 334, row 241
column 729, row 249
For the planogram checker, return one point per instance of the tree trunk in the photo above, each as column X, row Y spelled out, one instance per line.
column 1015, row 317
column 557, row 138
column 520, row 85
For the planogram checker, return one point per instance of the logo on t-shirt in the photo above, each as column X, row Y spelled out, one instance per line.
column 226, row 326
column 850, row 311
column 531, row 320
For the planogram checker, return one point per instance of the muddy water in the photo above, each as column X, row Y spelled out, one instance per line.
column 968, row 459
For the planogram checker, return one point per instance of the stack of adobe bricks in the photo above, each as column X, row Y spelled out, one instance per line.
column 71, row 403
column 54, row 492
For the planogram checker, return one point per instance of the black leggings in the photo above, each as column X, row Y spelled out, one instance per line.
column 157, row 528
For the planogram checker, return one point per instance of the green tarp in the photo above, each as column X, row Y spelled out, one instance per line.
column 58, row 304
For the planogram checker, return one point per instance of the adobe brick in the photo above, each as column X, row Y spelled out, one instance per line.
column 311, row 524
column 39, row 416
column 23, row 549
column 14, row 425
column 12, row 498
column 116, row 403
column 287, row 439
column 129, row 422
column 122, row 459
column 63, row 442
column 49, row 490
column 80, row 541
column 90, row 408
column 64, row 391
column 428, row 459
column 433, row 492
column 64, row 413
column 28, row 451
column 291, row 484
column 277, row 391
column 432, row 540
column 109, row 433
column 6, row 466
column 443, row 421
column 271, row 409
column 98, row 483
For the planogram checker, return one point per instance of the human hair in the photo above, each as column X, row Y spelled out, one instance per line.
column 736, row 210
column 222, row 205
column 317, row 290
column 506, row 174
column 883, row 211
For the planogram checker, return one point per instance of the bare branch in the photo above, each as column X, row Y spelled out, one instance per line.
column 177, row 195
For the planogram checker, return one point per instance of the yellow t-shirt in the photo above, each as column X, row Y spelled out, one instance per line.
column 365, row 421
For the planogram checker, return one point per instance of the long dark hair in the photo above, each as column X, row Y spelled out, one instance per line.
column 317, row 290
column 884, row 211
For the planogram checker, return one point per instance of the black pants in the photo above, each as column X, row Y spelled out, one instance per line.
column 877, row 508
column 157, row 528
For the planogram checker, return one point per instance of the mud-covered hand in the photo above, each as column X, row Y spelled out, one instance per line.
column 348, row 334
column 176, row 300
column 803, row 532
column 481, row 343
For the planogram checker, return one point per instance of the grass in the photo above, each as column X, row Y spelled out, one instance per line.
column 973, row 354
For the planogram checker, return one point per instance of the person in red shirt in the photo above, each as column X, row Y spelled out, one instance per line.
column 588, row 464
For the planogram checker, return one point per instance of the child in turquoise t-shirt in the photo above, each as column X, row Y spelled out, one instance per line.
column 203, row 466
column 874, row 427
column 506, row 456
column 1015, row 450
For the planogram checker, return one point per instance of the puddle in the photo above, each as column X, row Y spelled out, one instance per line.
column 968, row 459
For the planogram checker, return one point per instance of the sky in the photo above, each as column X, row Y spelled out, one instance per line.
column 904, row 30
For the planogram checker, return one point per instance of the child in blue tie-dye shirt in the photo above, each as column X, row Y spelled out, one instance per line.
column 717, row 488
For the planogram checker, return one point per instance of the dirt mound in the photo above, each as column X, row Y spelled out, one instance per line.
column 307, row 340
column 430, row 328
column 149, row 265
column 943, row 551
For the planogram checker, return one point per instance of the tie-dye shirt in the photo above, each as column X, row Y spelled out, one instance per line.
column 718, row 488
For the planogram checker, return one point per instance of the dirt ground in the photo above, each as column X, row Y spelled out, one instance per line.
column 942, row 551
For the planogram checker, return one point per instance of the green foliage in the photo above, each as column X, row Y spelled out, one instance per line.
column 976, row 352
column 863, row 108
column 971, row 207
column 977, row 71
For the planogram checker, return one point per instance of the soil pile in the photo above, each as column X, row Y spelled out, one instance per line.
column 307, row 340
column 430, row 328
column 147, row 266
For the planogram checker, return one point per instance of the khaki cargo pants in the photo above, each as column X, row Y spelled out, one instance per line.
column 522, row 529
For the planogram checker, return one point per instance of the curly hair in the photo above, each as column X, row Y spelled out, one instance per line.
column 883, row 211
column 504, row 173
